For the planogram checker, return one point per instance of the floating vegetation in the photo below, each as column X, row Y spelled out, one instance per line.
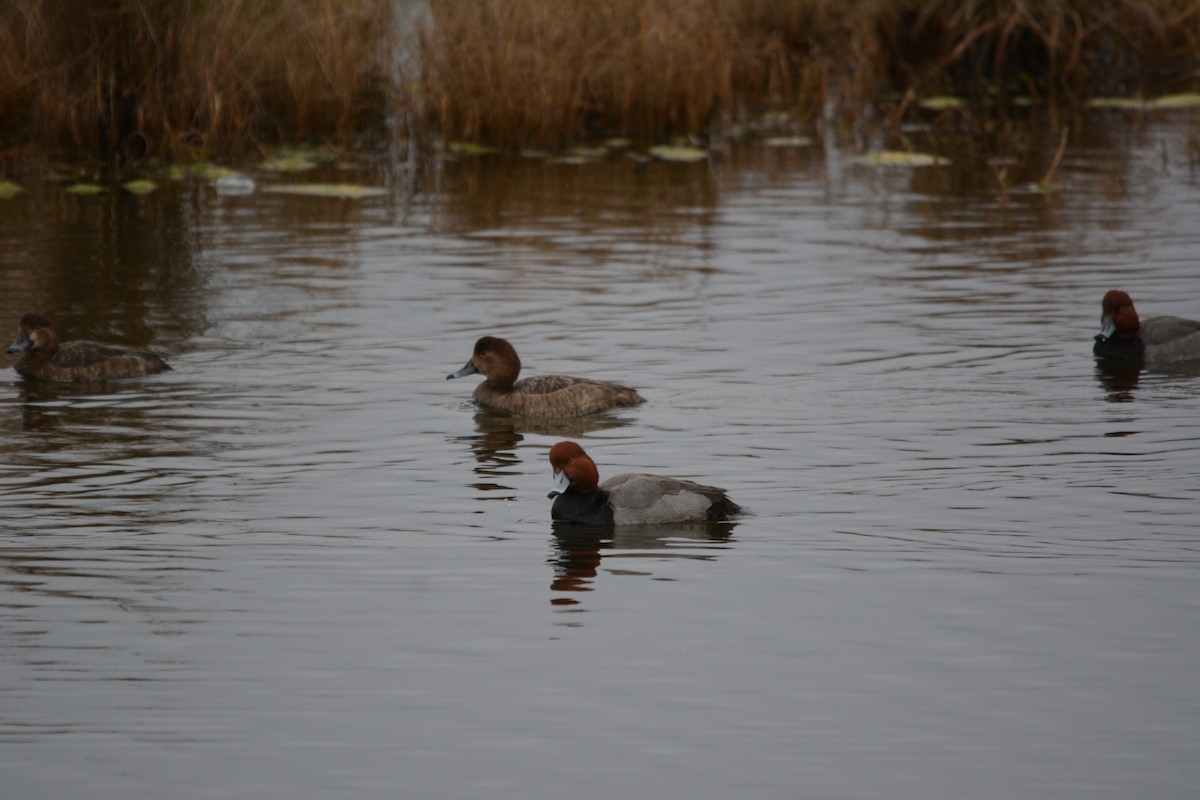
column 1184, row 100
column 943, row 103
column 141, row 186
column 9, row 190
column 201, row 170
column 288, row 163
column 209, row 172
column 234, row 184
column 471, row 149
column 1116, row 102
column 572, row 161
column 1169, row 101
column 789, row 141
column 592, row 153
column 775, row 119
column 348, row 191
column 85, row 189
column 900, row 158
column 681, row 155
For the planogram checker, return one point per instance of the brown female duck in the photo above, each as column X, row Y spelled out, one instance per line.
column 42, row 357
column 541, row 396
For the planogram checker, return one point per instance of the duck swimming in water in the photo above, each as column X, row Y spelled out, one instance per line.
column 540, row 396
column 42, row 357
column 1158, row 340
column 633, row 498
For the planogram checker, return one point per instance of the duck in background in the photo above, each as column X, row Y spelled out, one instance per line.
column 541, row 396
column 1158, row 340
column 632, row 498
column 43, row 357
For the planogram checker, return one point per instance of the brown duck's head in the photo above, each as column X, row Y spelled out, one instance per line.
column 1117, row 316
column 35, row 335
column 573, row 468
column 495, row 359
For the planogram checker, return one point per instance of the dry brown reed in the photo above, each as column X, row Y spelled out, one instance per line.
column 1056, row 49
column 521, row 72
column 155, row 77
column 546, row 72
column 141, row 77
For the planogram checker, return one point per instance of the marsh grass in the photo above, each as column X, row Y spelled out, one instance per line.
column 178, row 78
column 1058, row 49
column 546, row 72
column 146, row 77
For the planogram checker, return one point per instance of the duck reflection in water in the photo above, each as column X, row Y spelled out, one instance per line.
column 1118, row 379
column 579, row 549
column 499, row 434
column 46, row 405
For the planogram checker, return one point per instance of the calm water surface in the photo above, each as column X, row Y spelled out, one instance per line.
column 302, row 564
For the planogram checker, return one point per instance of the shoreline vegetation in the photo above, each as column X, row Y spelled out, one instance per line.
column 133, row 79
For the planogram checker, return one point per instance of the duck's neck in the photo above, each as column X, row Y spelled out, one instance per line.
column 503, row 379
column 591, row 508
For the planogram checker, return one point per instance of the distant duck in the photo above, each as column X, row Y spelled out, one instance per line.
column 633, row 498
column 42, row 357
column 541, row 396
column 1159, row 340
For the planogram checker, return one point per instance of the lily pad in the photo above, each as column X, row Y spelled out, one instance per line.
column 586, row 152
column 901, row 158
column 141, row 186
column 210, row 172
column 85, row 189
column 775, row 118
column 942, row 103
column 8, row 190
column 682, row 155
column 471, row 149
column 234, row 184
column 349, row 191
column 788, row 141
column 1115, row 102
column 1184, row 100
column 288, row 163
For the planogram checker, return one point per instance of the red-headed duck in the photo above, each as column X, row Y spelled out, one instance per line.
column 629, row 499
column 43, row 358
column 1154, row 339
column 541, row 396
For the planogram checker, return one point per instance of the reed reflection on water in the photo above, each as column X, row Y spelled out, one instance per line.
column 303, row 559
